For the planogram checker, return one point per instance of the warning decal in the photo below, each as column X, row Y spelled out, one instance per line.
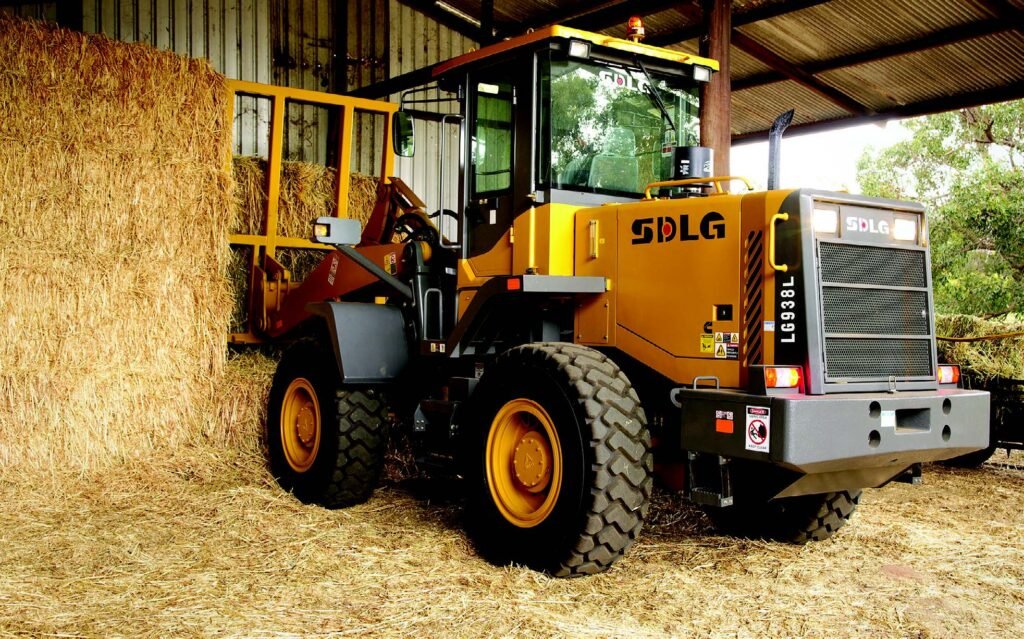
column 758, row 428
column 726, row 345
column 723, row 421
column 707, row 343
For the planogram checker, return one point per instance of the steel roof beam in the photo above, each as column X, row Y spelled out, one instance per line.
column 795, row 73
column 595, row 17
column 455, row 22
column 765, row 12
column 934, row 40
column 1004, row 10
column 925, row 107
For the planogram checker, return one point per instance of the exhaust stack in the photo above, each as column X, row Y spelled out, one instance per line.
column 779, row 127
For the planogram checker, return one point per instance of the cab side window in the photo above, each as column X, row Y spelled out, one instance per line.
column 492, row 138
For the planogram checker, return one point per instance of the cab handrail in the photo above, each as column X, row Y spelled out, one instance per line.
column 716, row 181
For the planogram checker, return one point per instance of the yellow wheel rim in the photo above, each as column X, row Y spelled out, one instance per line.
column 300, row 425
column 524, row 463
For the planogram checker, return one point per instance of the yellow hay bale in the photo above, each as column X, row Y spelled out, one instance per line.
column 113, row 219
column 236, row 413
column 307, row 192
column 984, row 359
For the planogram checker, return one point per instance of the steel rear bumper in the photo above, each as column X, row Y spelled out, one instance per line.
column 837, row 433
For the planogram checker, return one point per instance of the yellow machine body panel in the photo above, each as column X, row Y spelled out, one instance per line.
column 543, row 240
column 539, row 241
column 688, row 279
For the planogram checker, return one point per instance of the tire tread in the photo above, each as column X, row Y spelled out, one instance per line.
column 623, row 470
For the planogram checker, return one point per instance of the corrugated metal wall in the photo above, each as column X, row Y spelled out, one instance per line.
column 416, row 41
column 366, row 60
column 303, row 35
column 38, row 10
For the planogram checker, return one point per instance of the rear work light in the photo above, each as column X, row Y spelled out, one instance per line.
column 782, row 377
column 949, row 374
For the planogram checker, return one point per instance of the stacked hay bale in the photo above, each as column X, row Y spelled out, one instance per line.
column 113, row 200
column 983, row 360
column 307, row 192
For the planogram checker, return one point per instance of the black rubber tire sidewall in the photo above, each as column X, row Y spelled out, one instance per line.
column 546, row 545
column 305, row 359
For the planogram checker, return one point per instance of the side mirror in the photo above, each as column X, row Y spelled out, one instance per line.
column 402, row 134
column 336, row 231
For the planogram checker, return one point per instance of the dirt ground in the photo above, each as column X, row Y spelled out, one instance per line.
column 206, row 544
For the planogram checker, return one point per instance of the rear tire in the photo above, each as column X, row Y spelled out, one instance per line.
column 557, row 461
column 796, row 520
column 978, row 457
column 326, row 442
column 971, row 460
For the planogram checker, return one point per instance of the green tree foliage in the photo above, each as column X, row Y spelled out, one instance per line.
column 967, row 168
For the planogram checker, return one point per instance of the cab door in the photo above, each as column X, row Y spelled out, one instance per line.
column 498, row 148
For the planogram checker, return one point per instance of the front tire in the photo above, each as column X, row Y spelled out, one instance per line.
column 326, row 442
column 558, row 461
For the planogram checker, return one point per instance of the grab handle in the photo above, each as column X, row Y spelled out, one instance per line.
column 778, row 217
column 715, row 181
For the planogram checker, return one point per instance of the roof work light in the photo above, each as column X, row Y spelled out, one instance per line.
column 635, row 29
column 579, row 49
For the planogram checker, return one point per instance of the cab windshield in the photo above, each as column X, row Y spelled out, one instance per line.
column 602, row 130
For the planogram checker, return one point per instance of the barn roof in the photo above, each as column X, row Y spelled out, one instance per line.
column 834, row 61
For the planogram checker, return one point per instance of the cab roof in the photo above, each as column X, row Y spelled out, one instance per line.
column 566, row 33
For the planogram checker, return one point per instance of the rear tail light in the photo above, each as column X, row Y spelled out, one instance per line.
column 949, row 374
column 782, row 377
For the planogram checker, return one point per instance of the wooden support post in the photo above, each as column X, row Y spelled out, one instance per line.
column 716, row 123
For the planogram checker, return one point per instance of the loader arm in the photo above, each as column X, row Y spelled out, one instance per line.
column 338, row 276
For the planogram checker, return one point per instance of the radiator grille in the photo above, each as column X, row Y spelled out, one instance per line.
column 876, row 266
column 875, row 311
column 875, row 305
column 852, row 358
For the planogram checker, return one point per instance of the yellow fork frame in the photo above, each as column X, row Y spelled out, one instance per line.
column 264, row 246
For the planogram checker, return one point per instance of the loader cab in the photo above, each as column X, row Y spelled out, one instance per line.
column 562, row 116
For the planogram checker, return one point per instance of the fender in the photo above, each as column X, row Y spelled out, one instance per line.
column 369, row 340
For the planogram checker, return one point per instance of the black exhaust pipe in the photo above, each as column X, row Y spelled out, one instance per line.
column 779, row 127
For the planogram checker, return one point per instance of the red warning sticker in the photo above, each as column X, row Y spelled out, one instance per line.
column 723, row 421
column 758, row 429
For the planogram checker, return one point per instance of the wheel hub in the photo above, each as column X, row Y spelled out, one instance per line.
column 524, row 462
column 300, row 424
column 531, row 461
column 305, row 425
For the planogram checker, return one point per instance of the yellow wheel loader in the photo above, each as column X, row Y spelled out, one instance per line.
column 600, row 310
